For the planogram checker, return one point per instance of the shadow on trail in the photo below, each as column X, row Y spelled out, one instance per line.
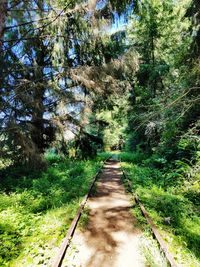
column 109, row 219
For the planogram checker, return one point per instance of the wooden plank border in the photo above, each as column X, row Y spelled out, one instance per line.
column 163, row 246
column 66, row 241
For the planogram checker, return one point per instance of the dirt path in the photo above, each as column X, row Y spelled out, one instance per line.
column 111, row 238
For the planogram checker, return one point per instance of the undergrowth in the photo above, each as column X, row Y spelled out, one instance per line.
column 37, row 209
column 171, row 199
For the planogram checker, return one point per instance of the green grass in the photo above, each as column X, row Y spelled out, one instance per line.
column 103, row 156
column 136, row 157
column 37, row 209
column 151, row 251
column 84, row 219
column 174, row 197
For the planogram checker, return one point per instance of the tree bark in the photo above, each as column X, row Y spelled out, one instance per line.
column 37, row 133
column 3, row 6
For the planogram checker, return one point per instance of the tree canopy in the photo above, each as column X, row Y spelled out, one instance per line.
column 63, row 63
column 79, row 79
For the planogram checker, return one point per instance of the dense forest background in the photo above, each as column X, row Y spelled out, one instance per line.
column 81, row 77
column 128, row 69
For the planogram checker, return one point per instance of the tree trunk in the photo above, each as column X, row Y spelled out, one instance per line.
column 37, row 132
column 3, row 5
column 37, row 121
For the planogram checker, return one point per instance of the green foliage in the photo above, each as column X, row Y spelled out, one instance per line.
column 155, row 161
column 52, row 157
column 109, row 122
column 59, row 67
column 37, row 209
column 140, row 84
column 192, row 191
column 103, row 156
column 166, row 193
column 84, row 220
column 136, row 157
column 165, row 103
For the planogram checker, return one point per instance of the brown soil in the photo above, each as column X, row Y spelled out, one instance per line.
column 111, row 238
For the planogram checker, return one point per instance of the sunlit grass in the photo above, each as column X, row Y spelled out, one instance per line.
column 37, row 210
column 181, row 229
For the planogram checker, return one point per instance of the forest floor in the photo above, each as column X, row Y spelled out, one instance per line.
column 111, row 236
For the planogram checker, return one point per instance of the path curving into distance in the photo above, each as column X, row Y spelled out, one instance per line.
column 111, row 237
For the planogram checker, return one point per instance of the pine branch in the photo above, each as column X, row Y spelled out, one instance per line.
column 42, row 19
column 38, row 37
column 47, row 24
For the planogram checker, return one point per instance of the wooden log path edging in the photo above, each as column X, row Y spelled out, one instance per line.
column 163, row 246
column 66, row 241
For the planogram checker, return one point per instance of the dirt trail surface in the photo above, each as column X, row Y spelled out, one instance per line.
column 111, row 238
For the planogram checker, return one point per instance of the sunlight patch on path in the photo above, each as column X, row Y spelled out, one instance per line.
column 111, row 238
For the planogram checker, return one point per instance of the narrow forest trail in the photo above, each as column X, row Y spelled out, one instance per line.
column 111, row 238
